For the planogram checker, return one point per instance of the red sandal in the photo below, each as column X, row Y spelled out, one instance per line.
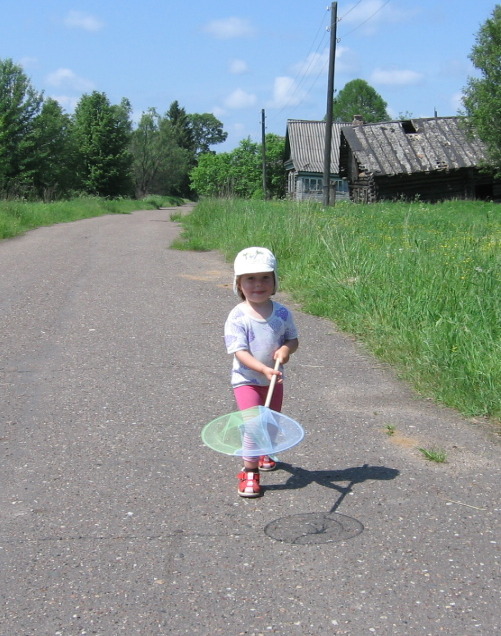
column 266, row 463
column 248, row 485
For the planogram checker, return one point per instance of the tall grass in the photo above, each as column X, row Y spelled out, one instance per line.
column 17, row 217
column 418, row 283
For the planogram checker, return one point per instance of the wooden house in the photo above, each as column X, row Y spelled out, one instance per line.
column 304, row 160
column 431, row 159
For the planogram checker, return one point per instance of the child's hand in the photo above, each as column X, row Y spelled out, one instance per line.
column 282, row 354
column 269, row 373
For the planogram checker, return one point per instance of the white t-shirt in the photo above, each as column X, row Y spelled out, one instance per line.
column 261, row 337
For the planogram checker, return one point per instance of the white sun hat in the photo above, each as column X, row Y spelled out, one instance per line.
column 254, row 260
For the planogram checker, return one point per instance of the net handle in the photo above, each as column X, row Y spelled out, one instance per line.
column 272, row 385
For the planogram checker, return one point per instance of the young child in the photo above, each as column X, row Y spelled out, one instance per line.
column 258, row 331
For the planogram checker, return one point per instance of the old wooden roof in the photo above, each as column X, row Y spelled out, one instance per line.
column 417, row 145
column 305, row 144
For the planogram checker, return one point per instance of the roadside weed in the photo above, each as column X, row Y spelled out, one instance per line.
column 434, row 454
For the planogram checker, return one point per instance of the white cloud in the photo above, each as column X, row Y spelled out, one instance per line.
column 240, row 99
column 317, row 63
column 66, row 77
column 67, row 103
column 396, row 77
column 229, row 28
column 286, row 92
column 238, row 67
column 79, row 20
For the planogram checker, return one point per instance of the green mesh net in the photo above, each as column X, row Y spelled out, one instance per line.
column 252, row 432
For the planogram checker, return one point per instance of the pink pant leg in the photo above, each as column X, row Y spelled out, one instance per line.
column 248, row 396
column 251, row 395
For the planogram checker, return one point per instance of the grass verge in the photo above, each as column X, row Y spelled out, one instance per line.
column 417, row 283
column 17, row 217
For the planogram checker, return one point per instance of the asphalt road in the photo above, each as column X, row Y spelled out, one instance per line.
column 116, row 519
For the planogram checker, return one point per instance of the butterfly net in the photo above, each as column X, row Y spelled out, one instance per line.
column 252, row 432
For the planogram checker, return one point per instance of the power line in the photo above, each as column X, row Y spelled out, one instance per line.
column 367, row 19
column 352, row 9
column 303, row 74
column 323, row 69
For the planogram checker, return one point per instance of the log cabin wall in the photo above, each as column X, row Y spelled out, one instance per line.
column 430, row 159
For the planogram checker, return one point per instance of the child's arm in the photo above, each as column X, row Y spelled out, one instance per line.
column 246, row 358
column 286, row 350
column 283, row 353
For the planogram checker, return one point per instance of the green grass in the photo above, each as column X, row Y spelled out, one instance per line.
column 419, row 284
column 16, row 217
column 434, row 454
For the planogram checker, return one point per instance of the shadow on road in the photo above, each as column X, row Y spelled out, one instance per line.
column 300, row 478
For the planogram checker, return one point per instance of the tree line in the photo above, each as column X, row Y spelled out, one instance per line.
column 47, row 154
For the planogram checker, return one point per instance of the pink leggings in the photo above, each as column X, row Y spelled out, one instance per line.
column 251, row 395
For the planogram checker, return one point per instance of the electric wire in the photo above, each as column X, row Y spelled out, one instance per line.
column 350, row 10
column 366, row 20
column 301, row 76
column 298, row 83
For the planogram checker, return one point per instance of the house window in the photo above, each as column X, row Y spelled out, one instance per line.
column 311, row 184
column 341, row 185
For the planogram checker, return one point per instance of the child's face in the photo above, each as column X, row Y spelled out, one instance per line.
column 257, row 288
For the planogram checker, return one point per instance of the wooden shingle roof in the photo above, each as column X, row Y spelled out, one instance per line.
column 418, row 145
column 305, row 144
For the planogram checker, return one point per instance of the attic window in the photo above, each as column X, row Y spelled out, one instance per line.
column 408, row 127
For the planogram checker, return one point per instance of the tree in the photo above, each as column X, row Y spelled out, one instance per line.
column 359, row 98
column 211, row 176
column 53, row 160
column 230, row 174
column 183, row 135
column 147, row 152
column 102, row 133
column 207, row 131
column 19, row 106
column 482, row 96
column 181, row 126
column 246, row 169
column 239, row 173
column 159, row 164
column 275, row 170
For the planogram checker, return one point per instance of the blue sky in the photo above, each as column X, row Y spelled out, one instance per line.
column 234, row 59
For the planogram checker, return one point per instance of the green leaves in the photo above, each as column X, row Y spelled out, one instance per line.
column 239, row 173
column 19, row 106
column 359, row 98
column 482, row 96
column 207, row 131
column 160, row 165
column 103, row 133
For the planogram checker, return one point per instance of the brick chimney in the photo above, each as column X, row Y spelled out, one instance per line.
column 358, row 120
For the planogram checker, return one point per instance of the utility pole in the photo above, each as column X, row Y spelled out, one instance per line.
column 330, row 102
column 263, row 146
